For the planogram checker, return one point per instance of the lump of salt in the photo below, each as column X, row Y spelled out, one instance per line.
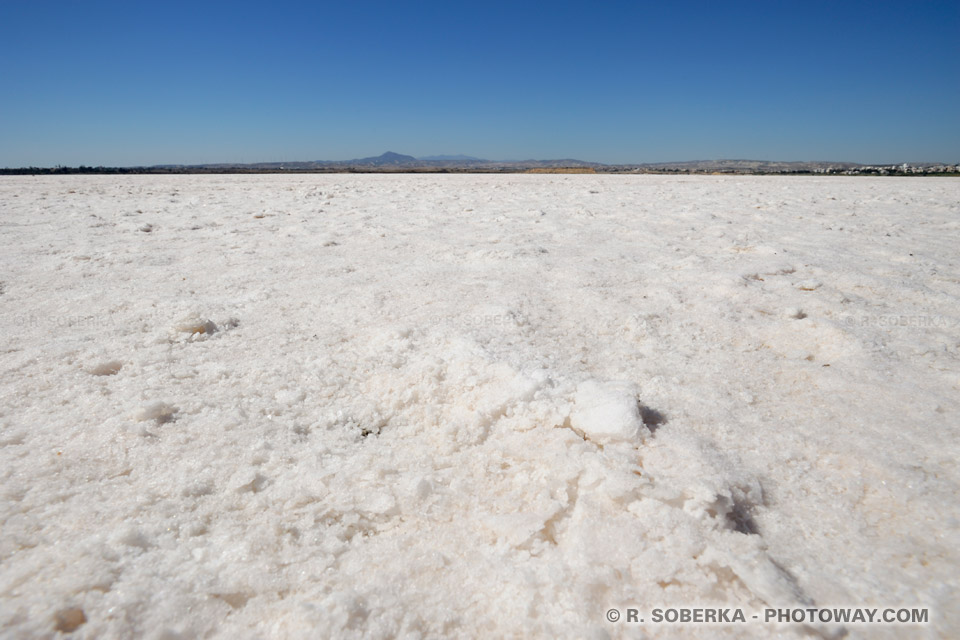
column 159, row 411
column 195, row 325
column 69, row 620
column 106, row 368
column 607, row 412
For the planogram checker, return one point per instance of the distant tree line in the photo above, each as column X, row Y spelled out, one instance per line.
column 85, row 170
column 82, row 169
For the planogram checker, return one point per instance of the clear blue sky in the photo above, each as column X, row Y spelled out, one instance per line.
column 133, row 83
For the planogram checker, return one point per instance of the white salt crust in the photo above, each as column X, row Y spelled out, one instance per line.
column 474, row 406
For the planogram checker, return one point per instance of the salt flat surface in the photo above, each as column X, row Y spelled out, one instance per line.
column 475, row 406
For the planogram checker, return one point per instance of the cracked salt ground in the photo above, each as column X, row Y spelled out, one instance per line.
column 465, row 406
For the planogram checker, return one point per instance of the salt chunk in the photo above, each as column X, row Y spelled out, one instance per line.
column 69, row 620
column 159, row 411
column 808, row 285
column 195, row 324
column 423, row 488
column 777, row 269
column 288, row 397
column 106, row 368
column 132, row 537
column 607, row 412
column 514, row 528
column 197, row 487
column 249, row 480
column 378, row 504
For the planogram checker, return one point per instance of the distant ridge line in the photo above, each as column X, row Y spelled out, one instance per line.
column 391, row 162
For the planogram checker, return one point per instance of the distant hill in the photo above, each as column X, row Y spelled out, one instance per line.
column 391, row 161
column 388, row 159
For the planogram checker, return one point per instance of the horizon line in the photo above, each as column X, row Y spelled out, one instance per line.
column 455, row 159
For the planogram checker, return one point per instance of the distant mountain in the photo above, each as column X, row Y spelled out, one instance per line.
column 388, row 159
column 391, row 161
